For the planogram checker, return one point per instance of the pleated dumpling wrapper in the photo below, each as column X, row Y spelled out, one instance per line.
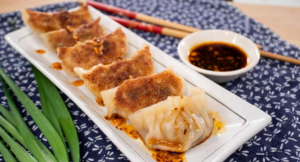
column 175, row 124
column 42, row 22
column 93, row 52
column 103, row 77
column 138, row 93
column 69, row 37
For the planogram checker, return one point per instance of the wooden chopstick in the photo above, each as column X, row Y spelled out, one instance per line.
column 181, row 34
column 279, row 57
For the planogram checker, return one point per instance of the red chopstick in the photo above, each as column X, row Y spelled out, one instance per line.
column 112, row 9
column 150, row 28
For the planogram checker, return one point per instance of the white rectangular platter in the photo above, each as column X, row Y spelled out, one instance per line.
column 243, row 119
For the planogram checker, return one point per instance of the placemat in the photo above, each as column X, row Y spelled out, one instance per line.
column 272, row 86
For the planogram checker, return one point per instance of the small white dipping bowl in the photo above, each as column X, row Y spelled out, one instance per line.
column 219, row 36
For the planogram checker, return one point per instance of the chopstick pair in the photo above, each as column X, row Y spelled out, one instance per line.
column 166, row 27
column 150, row 28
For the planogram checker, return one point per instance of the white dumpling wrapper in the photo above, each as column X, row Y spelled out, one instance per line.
column 108, row 100
column 175, row 124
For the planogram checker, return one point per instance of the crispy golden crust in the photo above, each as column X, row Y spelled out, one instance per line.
column 89, row 31
column 115, row 43
column 66, row 38
column 103, row 77
column 80, row 16
column 93, row 52
column 58, row 38
column 42, row 22
column 142, row 92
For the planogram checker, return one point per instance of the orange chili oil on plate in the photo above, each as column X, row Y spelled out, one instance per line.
column 78, row 83
column 218, row 56
column 40, row 51
column 99, row 101
column 158, row 155
column 56, row 66
column 120, row 123
column 219, row 123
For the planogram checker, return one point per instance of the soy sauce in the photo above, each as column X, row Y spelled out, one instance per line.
column 218, row 56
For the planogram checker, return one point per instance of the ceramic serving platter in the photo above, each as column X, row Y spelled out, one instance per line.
column 243, row 119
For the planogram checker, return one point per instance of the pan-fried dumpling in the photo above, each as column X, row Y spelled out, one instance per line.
column 67, row 38
column 138, row 93
column 103, row 77
column 93, row 52
column 175, row 124
column 42, row 22
column 79, row 17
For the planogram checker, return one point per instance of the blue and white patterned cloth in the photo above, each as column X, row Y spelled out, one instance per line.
column 272, row 86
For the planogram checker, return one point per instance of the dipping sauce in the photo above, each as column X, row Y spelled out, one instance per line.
column 56, row 66
column 218, row 56
column 40, row 51
column 78, row 83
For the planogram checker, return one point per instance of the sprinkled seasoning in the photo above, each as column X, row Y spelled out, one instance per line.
column 96, row 50
column 70, row 29
column 75, row 37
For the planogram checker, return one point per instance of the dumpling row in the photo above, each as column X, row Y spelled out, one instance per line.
column 153, row 103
